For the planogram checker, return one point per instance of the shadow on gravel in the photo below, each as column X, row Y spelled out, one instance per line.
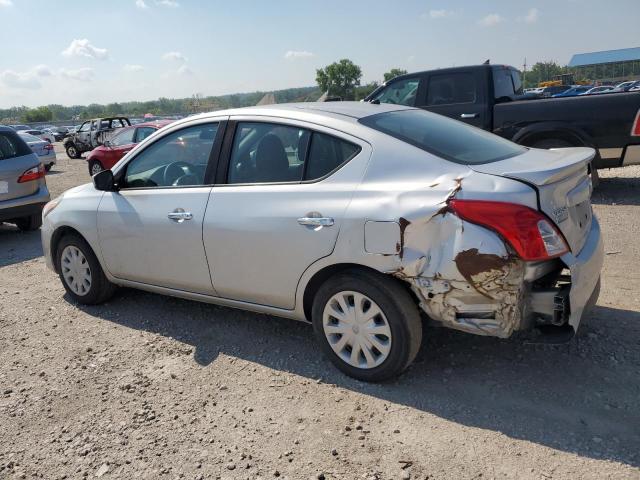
column 618, row 190
column 17, row 246
column 582, row 397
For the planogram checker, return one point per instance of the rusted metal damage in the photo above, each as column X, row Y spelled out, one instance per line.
column 463, row 285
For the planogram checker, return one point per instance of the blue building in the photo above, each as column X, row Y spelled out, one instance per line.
column 607, row 66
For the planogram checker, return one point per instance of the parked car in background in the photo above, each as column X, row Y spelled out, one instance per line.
column 490, row 97
column 59, row 133
column 20, row 127
column 574, row 91
column 548, row 92
column 108, row 154
column 626, row 86
column 598, row 90
column 635, row 89
column 23, row 189
column 92, row 134
column 352, row 216
column 42, row 148
column 41, row 134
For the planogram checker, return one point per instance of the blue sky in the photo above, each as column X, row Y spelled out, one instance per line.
column 79, row 52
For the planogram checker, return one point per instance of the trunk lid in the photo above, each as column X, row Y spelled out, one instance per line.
column 560, row 176
column 10, row 171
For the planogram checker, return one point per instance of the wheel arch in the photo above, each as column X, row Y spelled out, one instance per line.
column 328, row 271
column 57, row 235
column 551, row 130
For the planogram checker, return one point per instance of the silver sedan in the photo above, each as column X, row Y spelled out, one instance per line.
column 364, row 220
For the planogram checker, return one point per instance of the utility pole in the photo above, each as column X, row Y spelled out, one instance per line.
column 524, row 72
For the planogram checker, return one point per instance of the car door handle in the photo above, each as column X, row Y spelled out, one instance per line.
column 179, row 215
column 316, row 221
column 468, row 115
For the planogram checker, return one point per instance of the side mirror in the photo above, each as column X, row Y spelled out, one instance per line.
column 104, row 181
column 107, row 143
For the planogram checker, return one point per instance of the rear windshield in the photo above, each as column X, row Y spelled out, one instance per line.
column 12, row 146
column 444, row 137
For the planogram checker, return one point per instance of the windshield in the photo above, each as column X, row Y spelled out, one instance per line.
column 444, row 137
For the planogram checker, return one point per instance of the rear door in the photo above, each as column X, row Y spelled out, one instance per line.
column 458, row 95
column 15, row 158
column 277, row 206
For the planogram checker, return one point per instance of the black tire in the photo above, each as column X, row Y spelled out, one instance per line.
column 30, row 223
column 72, row 150
column 398, row 307
column 94, row 165
column 101, row 288
column 48, row 167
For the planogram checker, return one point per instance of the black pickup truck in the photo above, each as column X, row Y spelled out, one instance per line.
column 490, row 97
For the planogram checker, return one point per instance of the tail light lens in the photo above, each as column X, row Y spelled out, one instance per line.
column 531, row 234
column 32, row 174
column 48, row 146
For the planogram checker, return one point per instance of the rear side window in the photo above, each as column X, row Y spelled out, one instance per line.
column 327, row 153
column 451, row 88
column 444, row 137
column 12, row 146
column 124, row 138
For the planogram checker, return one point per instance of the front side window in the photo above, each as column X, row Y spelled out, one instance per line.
column 444, row 137
column 124, row 137
column 451, row 88
column 84, row 127
column 177, row 159
column 267, row 153
column 400, row 92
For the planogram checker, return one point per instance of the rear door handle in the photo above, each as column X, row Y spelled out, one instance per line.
column 316, row 221
column 468, row 115
column 179, row 215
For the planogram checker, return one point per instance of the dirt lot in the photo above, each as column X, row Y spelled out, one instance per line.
column 154, row 387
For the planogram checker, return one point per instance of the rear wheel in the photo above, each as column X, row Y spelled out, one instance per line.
column 30, row 223
column 48, row 167
column 81, row 273
column 95, row 167
column 367, row 324
column 72, row 151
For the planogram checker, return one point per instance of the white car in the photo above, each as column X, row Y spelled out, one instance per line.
column 361, row 219
column 41, row 134
column 42, row 148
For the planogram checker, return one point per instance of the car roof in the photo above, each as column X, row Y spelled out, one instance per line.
column 155, row 123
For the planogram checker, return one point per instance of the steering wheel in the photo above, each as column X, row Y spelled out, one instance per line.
column 173, row 171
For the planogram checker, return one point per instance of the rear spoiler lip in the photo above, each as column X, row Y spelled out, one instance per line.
column 571, row 161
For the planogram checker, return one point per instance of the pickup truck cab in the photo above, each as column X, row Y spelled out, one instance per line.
column 491, row 97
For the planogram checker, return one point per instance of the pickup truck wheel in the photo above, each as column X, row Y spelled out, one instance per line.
column 81, row 273
column 95, row 167
column 72, row 151
column 367, row 324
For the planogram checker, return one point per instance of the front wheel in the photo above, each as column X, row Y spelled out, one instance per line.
column 81, row 273
column 72, row 151
column 367, row 324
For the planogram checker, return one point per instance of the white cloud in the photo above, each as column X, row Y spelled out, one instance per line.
column 6, row 3
column 133, row 68
column 25, row 80
column 141, row 4
column 295, row 54
column 175, row 56
column 184, row 70
column 82, row 48
column 440, row 13
column 84, row 74
column 530, row 17
column 491, row 20
column 168, row 3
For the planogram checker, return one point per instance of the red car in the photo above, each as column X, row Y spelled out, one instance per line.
column 106, row 156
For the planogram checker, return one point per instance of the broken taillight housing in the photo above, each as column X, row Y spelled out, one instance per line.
column 531, row 234
column 32, row 174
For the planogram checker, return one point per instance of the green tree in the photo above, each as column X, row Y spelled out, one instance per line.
column 339, row 79
column 393, row 73
column 542, row 72
column 364, row 90
column 40, row 114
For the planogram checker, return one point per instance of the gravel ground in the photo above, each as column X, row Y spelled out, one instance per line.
column 156, row 387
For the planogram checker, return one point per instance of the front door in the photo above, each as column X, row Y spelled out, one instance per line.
column 278, row 207
column 150, row 231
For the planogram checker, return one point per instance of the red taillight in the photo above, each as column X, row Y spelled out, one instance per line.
column 529, row 232
column 635, row 128
column 48, row 146
column 32, row 174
